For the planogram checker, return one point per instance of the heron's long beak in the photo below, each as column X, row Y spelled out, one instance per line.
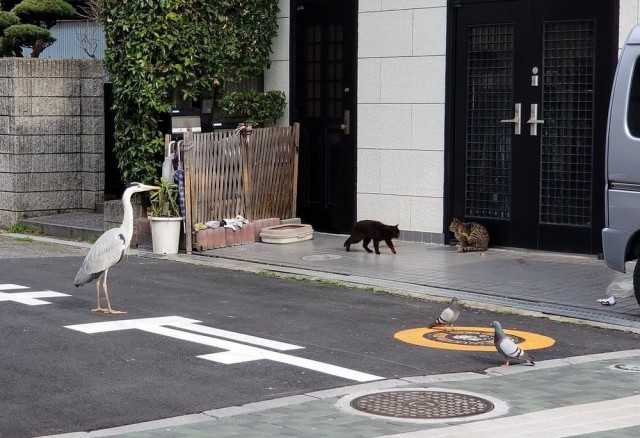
column 152, row 187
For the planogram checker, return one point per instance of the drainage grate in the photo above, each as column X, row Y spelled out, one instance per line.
column 634, row 367
column 422, row 404
column 321, row 257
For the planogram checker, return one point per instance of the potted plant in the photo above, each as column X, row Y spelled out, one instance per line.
column 164, row 216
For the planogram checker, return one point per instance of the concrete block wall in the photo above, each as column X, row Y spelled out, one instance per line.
column 51, row 137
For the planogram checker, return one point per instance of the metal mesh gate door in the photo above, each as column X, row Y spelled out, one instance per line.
column 530, row 96
column 488, row 142
column 567, row 135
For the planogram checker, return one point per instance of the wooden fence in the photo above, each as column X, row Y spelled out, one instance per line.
column 252, row 173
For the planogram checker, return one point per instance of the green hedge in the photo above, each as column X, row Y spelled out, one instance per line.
column 156, row 47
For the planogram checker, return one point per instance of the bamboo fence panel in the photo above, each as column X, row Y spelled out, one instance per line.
column 229, row 174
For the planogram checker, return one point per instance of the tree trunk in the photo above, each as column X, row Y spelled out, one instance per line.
column 38, row 47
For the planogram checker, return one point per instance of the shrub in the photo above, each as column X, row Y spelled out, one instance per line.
column 258, row 109
column 156, row 48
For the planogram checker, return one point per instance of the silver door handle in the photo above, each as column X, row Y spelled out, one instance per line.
column 533, row 121
column 515, row 120
column 346, row 123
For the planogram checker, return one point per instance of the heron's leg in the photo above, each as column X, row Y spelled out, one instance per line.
column 106, row 294
column 98, row 308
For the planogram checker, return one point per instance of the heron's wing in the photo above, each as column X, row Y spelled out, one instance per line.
column 106, row 252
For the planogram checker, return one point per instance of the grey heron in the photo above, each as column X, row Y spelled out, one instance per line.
column 109, row 249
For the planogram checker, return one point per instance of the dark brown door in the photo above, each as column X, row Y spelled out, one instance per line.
column 530, row 96
column 324, row 67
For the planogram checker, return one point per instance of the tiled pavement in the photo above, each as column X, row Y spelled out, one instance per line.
column 556, row 398
column 553, row 399
column 552, row 283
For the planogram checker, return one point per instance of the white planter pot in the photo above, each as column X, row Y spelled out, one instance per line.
column 165, row 234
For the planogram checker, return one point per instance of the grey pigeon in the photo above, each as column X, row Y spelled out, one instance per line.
column 506, row 347
column 448, row 315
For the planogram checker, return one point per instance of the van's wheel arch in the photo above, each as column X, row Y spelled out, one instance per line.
column 636, row 281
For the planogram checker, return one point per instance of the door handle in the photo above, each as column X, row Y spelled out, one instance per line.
column 533, row 121
column 515, row 120
column 346, row 122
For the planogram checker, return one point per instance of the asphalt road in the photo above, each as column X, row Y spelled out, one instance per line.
column 56, row 377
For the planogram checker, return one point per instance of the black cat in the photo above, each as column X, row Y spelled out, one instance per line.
column 369, row 230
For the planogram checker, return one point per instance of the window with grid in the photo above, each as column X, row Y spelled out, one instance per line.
column 313, row 76
column 488, row 142
column 566, row 158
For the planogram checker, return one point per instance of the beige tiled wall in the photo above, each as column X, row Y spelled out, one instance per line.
column 401, row 85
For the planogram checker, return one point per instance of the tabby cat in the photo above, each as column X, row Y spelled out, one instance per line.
column 368, row 230
column 471, row 236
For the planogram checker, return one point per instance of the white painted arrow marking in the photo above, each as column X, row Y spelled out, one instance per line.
column 31, row 298
column 12, row 286
column 236, row 352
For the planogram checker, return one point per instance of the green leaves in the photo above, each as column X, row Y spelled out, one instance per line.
column 164, row 202
column 258, row 109
column 156, row 47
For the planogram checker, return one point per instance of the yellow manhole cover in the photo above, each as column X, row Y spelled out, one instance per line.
column 470, row 338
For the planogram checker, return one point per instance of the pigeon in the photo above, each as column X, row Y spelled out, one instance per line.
column 506, row 347
column 448, row 315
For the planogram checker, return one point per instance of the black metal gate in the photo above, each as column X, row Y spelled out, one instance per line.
column 531, row 92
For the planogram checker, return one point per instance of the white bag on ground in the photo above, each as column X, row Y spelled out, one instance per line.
column 620, row 288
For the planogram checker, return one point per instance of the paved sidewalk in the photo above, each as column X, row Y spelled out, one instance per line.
column 551, row 283
column 583, row 396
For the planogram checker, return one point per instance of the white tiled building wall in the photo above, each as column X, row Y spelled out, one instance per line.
column 401, row 91
column 401, row 84
column 277, row 77
column 629, row 17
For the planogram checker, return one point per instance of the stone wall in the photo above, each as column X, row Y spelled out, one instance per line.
column 51, row 137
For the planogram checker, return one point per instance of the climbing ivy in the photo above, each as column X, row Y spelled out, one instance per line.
column 158, row 51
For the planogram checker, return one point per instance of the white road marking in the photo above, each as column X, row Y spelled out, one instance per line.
column 12, row 286
column 236, row 352
column 31, row 298
column 124, row 324
column 247, row 339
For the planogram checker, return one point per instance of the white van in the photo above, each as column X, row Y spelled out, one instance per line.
column 621, row 235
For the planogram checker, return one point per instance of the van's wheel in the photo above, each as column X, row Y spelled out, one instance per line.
column 636, row 281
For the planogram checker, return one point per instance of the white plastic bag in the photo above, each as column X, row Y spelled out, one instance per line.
column 620, row 288
column 167, row 167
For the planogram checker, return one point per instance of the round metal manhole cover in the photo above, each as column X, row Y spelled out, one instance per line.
column 321, row 257
column 633, row 367
column 422, row 404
